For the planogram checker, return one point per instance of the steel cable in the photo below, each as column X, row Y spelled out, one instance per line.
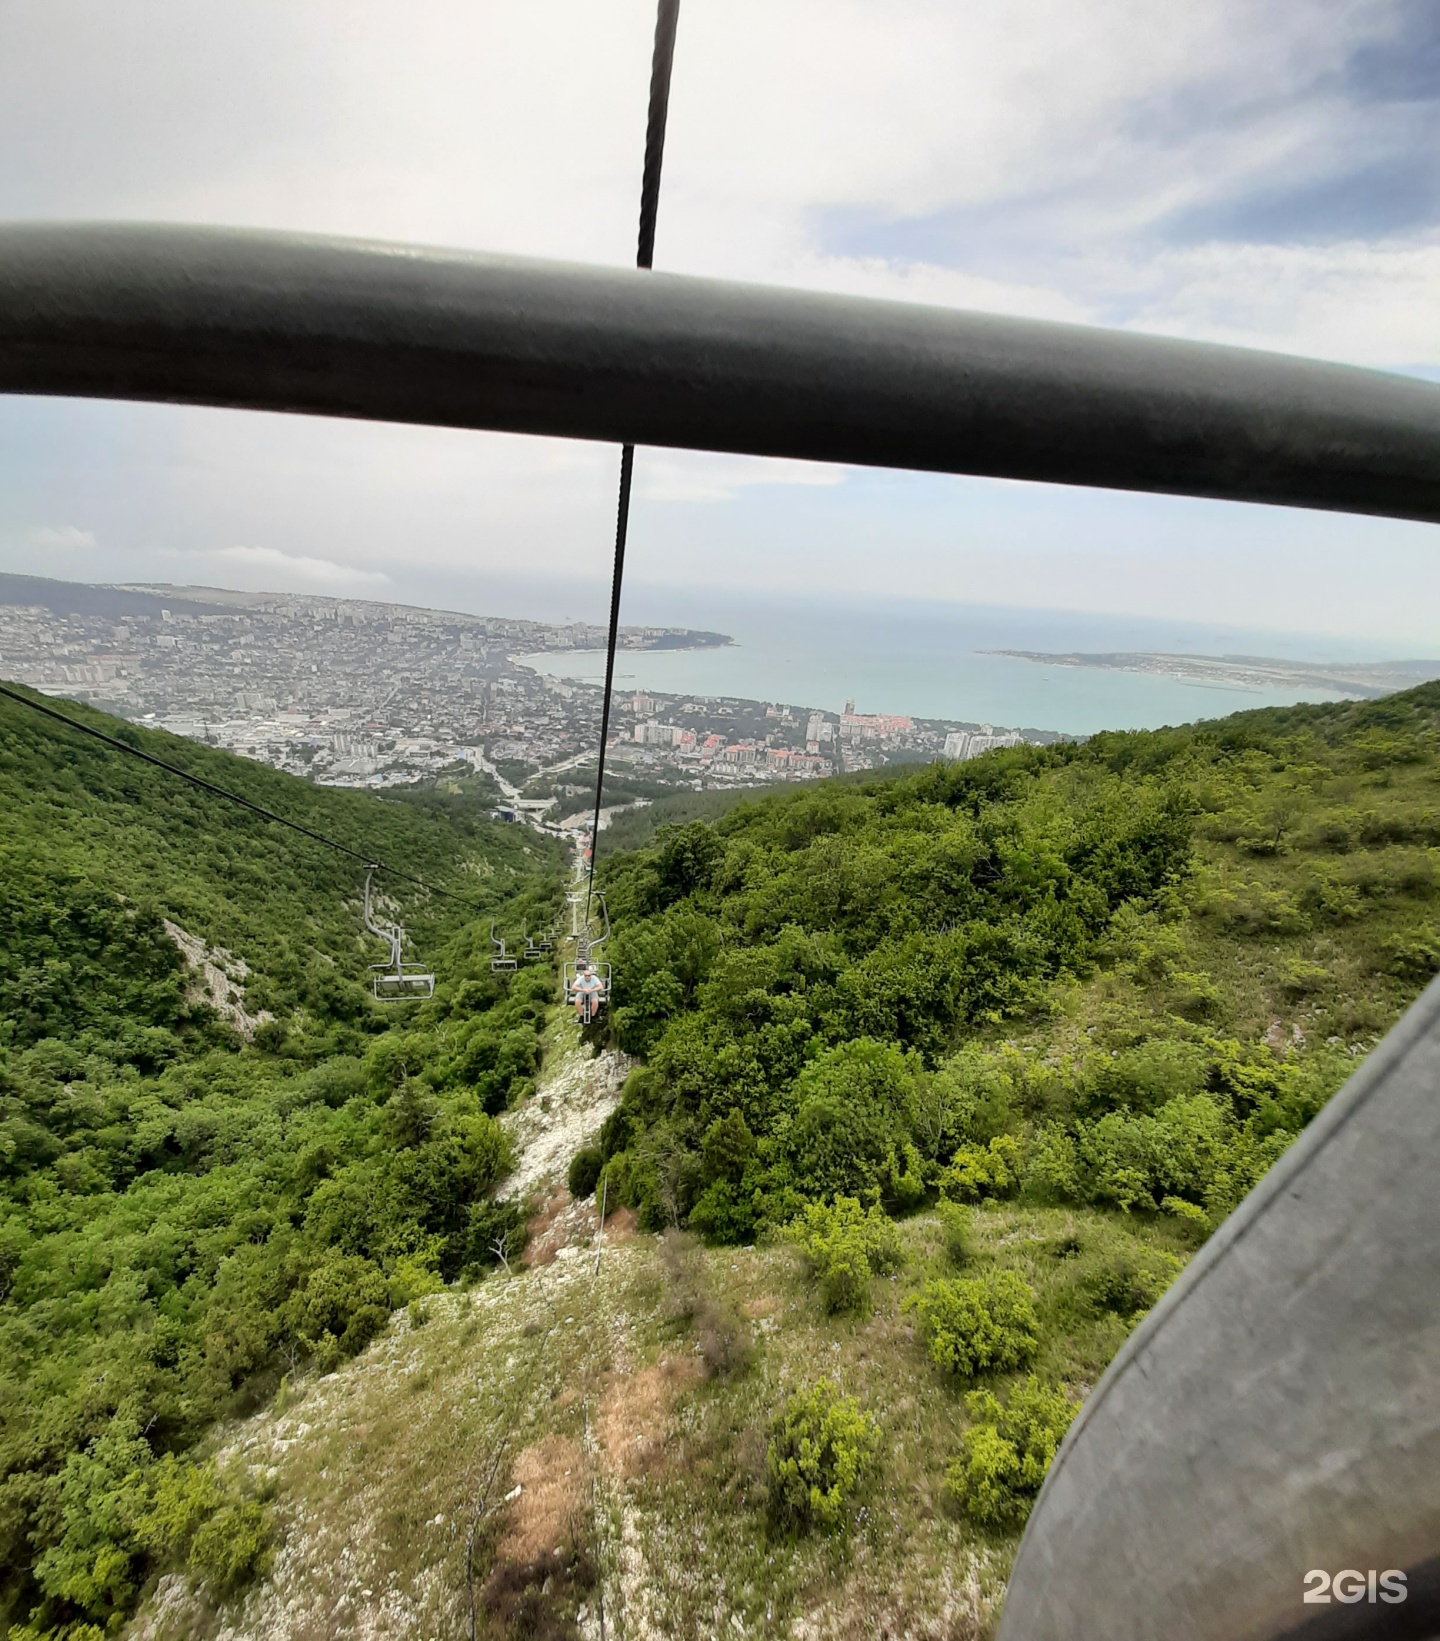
column 661, row 63
column 232, row 797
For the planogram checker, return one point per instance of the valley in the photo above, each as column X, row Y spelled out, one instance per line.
column 917, row 1091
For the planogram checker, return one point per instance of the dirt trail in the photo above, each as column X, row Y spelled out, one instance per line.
column 575, row 1096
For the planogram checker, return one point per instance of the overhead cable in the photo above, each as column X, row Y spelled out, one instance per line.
column 231, row 797
column 661, row 63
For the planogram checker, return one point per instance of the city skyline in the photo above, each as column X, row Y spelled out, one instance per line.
column 352, row 692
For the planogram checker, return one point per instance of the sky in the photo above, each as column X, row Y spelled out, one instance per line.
column 1258, row 172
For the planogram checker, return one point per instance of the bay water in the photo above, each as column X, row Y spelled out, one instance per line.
column 938, row 661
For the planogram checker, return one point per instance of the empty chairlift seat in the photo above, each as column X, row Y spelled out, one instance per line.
column 500, row 961
column 394, row 981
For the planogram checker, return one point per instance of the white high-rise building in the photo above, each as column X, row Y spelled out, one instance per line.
column 965, row 743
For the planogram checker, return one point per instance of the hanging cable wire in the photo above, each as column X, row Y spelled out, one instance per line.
column 661, row 63
column 230, row 797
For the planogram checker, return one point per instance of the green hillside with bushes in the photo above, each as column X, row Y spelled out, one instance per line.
column 1123, row 974
column 1059, row 1007
column 939, row 1078
column 185, row 1215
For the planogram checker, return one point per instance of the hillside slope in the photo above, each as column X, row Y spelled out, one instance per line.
column 185, row 1213
column 586, row 1434
column 81, row 817
column 943, row 1078
column 1127, row 973
column 940, row 1081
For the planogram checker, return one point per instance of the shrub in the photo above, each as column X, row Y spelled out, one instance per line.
column 1304, row 979
column 1054, row 1173
column 1194, row 1218
column 1133, row 1281
column 723, row 1338
column 495, row 1228
column 488, row 1151
column 1335, row 833
column 819, row 1446
column 902, row 1179
column 850, row 1117
column 183, row 1497
column 1006, row 1452
column 1195, row 996
column 1415, row 958
column 67, row 1632
column 585, row 1168
column 415, row 1274
column 959, row 1234
column 724, row 1213
column 726, row 1147
column 983, row 1171
column 345, row 1297
column 1331, row 898
column 845, row 1246
column 91, row 1562
column 1127, row 1162
column 978, row 1324
column 1255, row 911
column 232, row 1545
column 1143, row 1078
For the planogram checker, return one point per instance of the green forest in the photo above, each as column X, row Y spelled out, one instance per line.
column 187, row 1216
column 1049, row 973
column 1114, row 978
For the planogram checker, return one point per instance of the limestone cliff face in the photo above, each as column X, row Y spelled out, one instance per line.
column 217, row 977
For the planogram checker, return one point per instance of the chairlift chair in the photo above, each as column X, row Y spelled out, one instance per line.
column 394, row 981
column 590, row 1001
column 532, row 951
column 500, row 963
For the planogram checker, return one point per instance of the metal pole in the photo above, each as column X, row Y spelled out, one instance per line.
column 394, row 333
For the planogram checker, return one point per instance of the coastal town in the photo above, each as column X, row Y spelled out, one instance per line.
column 353, row 692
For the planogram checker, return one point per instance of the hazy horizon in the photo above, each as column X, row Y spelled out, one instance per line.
column 662, row 604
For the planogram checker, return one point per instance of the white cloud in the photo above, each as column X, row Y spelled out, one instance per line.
column 1027, row 159
column 65, row 537
column 698, row 476
column 1372, row 303
column 1366, row 303
column 317, row 572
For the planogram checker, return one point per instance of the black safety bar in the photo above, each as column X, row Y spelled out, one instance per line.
column 270, row 321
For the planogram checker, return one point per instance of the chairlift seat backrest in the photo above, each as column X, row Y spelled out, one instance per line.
column 501, row 962
column 602, row 973
column 411, row 982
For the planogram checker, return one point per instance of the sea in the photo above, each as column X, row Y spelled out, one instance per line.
column 938, row 661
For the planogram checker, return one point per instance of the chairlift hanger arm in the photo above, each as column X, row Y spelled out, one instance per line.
column 289, row 322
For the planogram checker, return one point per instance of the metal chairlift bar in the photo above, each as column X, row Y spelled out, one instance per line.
column 287, row 322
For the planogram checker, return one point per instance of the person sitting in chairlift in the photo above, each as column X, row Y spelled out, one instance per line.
column 586, row 991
